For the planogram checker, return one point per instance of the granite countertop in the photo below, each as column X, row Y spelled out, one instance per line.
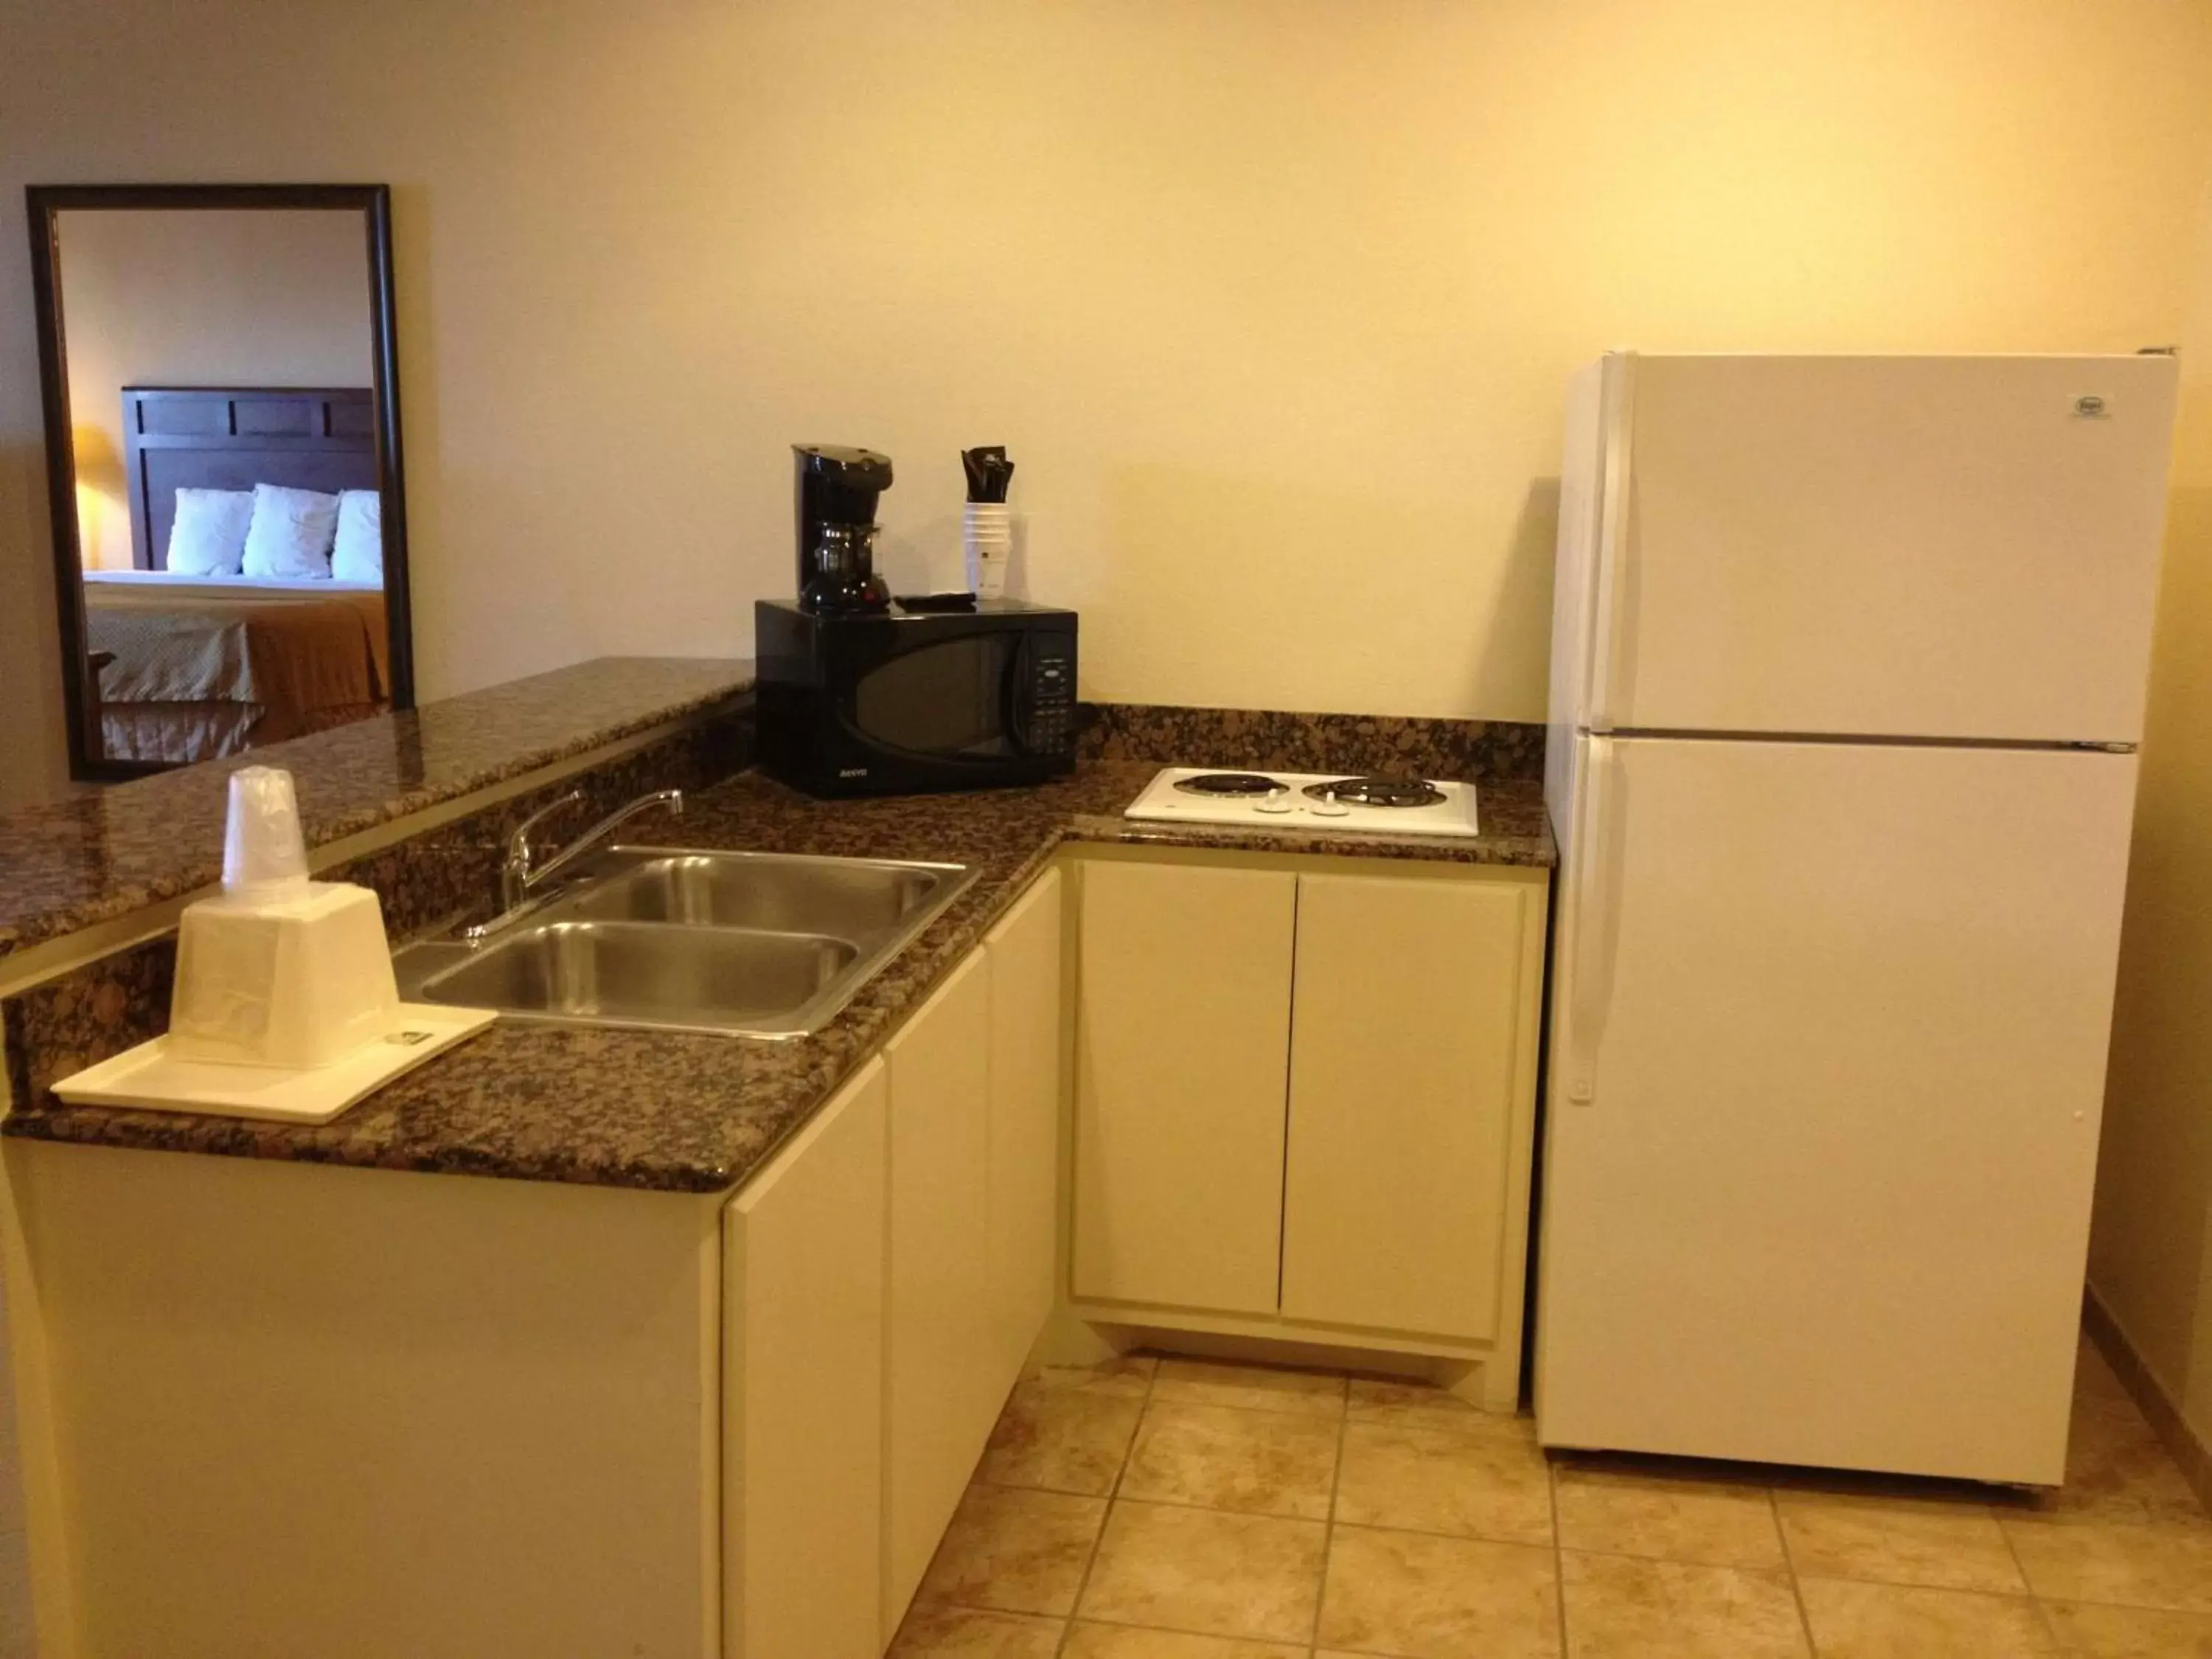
column 677, row 1112
column 108, row 852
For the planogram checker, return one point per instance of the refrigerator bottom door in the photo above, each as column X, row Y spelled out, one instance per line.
column 1828, row 1200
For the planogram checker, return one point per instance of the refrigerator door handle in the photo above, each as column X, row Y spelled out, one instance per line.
column 1613, row 585
column 1601, row 836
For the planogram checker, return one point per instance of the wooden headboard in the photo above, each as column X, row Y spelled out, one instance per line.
column 193, row 437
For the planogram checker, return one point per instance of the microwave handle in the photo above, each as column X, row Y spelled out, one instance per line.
column 1010, row 693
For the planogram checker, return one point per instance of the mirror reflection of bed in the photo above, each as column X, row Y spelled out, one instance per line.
column 232, row 531
column 253, row 609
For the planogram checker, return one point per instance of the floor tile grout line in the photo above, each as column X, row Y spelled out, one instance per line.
column 1106, row 1519
column 1111, row 1623
column 1559, row 1552
column 2167, row 1609
column 2123, row 1519
column 1910, row 1584
column 954, row 1604
column 1755, row 1567
column 1355, row 1526
column 1328, row 1522
column 2140, row 1521
column 1790, row 1566
column 1217, row 1509
column 1024, row 1485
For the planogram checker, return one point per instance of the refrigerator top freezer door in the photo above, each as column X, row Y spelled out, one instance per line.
column 1913, row 547
column 1838, row 1015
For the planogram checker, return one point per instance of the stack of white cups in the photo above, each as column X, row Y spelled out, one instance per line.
column 987, row 538
column 279, row 971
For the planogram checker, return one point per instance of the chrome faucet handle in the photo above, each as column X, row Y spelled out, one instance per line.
column 516, row 869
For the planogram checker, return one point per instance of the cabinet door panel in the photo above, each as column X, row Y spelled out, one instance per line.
column 1402, row 1087
column 940, row 1403
column 803, row 1390
column 1024, row 1166
column 1183, row 1034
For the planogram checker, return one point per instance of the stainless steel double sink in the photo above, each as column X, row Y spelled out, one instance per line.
column 767, row 945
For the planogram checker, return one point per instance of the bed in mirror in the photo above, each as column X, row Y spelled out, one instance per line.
column 223, row 462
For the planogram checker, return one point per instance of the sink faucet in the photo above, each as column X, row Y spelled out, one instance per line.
column 520, row 874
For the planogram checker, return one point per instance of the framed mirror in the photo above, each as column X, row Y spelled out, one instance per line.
column 221, row 398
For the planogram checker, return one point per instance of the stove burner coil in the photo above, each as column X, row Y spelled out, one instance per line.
column 1379, row 792
column 1228, row 783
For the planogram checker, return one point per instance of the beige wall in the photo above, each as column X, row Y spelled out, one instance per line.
column 223, row 298
column 2151, row 1255
column 1274, row 299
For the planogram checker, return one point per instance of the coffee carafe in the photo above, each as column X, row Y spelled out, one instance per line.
column 837, row 488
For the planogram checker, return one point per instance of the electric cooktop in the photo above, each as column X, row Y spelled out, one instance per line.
column 1309, row 801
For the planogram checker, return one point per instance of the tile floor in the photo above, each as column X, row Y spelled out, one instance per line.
column 1176, row 1509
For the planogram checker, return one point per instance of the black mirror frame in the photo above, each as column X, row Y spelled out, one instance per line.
column 45, row 202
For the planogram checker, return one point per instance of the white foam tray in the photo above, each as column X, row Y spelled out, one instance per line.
column 149, row 1076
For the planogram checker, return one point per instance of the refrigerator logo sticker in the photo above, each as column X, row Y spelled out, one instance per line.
column 2091, row 407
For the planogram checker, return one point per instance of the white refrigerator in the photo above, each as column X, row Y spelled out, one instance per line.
column 1849, row 665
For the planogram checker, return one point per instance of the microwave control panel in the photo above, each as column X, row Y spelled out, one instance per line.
column 1051, row 696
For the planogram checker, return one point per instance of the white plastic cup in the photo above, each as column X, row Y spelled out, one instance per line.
column 987, row 540
column 278, row 971
column 264, row 850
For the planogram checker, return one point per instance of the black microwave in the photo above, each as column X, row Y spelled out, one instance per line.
column 900, row 702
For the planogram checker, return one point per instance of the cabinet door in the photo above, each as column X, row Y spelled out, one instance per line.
column 939, row 1404
column 802, row 1382
column 1024, row 1164
column 1404, row 1071
column 1183, row 1033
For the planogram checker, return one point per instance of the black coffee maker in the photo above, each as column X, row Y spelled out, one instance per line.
column 837, row 488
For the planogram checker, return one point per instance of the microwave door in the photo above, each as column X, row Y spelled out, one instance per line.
column 944, row 701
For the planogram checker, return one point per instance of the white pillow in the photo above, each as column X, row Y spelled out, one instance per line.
column 291, row 533
column 208, row 535
column 358, row 554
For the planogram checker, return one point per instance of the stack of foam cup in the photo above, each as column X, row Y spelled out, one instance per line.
column 279, row 970
column 987, row 539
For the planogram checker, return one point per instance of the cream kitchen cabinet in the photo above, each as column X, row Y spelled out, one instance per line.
column 975, row 1123
column 1183, row 1034
column 938, row 1374
column 1411, row 1033
column 803, row 1389
column 286, row 1408
column 1304, row 1102
column 887, row 1275
column 1023, row 1172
